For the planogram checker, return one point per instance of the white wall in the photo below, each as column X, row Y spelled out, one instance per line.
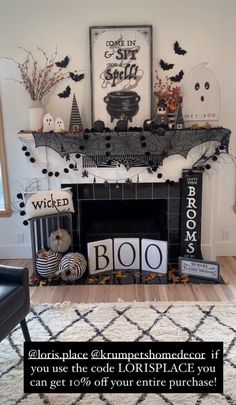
column 206, row 28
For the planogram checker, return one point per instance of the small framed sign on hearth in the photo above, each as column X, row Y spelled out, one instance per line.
column 207, row 270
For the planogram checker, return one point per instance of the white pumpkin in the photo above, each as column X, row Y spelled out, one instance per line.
column 59, row 240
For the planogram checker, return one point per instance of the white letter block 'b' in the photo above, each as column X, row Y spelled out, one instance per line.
column 100, row 256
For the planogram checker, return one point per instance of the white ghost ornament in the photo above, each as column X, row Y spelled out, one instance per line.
column 201, row 97
column 48, row 123
column 59, row 125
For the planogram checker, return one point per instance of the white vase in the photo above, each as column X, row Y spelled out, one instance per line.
column 36, row 114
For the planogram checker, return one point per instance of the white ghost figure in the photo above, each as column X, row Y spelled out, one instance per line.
column 59, row 125
column 201, row 97
column 48, row 123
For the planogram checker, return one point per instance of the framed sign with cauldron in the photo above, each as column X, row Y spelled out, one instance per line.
column 121, row 74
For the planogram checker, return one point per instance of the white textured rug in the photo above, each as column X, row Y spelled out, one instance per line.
column 155, row 321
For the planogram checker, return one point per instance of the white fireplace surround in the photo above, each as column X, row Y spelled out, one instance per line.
column 171, row 169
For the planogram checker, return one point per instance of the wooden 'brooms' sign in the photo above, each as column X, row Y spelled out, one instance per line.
column 191, row 211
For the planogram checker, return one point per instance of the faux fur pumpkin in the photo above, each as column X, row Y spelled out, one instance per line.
column 59, row 241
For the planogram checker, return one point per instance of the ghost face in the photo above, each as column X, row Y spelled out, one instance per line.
column 59, row 125
column 201, row 100
column 48, row 123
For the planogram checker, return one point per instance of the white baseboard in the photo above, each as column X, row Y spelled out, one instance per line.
column 15, row 252
column 225, row 248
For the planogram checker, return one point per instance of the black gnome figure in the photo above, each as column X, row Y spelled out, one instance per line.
column 162, row 119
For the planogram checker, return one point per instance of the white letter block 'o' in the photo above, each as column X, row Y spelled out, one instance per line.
column 126, row 253
column 154, row 255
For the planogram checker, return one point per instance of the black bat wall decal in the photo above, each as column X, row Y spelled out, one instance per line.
column 65, row 93
column 178, row 77
column 166, row 66
column 63, row 63
column 75, row 77
column 178, row 49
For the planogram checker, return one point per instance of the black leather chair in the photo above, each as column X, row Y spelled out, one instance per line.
column 14, row 300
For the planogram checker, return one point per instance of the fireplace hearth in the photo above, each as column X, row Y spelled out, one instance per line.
column 143, row 210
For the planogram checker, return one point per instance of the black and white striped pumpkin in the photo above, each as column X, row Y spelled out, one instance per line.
column 72, row 266
column 47, row 265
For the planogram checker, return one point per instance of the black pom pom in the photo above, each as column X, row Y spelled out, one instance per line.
column 24, row 148
column 20, row 196
column 25, row 223
column 77, row 155
column 71, row 166
column 172, row 182
column 143, row 144
column 86, row 137
column 222, row 147
column 21, row 205
column 57, row 174
column 66, row 170
column 32, row 160
column 81, row 147
column 215, row 158
column 50, row 174
column 108, row 138
column 208, row 167
column 167, row 181
column 86, row 130
column 27, row 153
column 44, row 171
column 190, row 172
column 159, row 175
column 22, row 213
column 108, row 154
column 107, row 129
column 180, row 180
column 108, row 145
column 142, row 138
column 154, row 168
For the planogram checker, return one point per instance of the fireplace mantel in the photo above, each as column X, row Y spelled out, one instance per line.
column 218, row 142
column 136, row 148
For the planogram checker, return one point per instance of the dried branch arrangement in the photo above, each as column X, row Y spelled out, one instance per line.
column 164, row 89
column 39, row 80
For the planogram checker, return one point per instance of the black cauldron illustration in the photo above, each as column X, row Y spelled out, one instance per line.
column 122, row 104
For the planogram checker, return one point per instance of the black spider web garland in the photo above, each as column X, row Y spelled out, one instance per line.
column 203, row 163
column 210, row 155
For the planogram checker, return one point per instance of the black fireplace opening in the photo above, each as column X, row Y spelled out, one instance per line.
column 103, row 219
column 142, row 210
